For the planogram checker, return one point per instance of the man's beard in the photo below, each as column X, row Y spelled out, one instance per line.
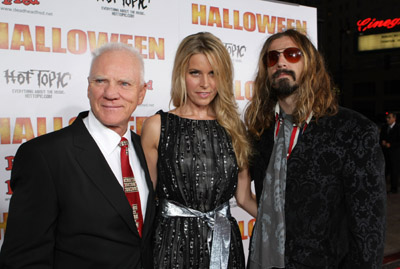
column 282, row 88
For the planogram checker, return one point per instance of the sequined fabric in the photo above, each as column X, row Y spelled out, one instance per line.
column 196, row 168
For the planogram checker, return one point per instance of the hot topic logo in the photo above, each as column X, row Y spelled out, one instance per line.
column 25, row 2
column 235, row 50
column 141, row 4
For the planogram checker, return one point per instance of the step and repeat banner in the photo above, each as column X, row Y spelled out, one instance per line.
column 45, row 53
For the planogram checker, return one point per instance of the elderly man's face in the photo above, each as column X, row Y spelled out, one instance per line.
column 114, row 89
column 284, row 74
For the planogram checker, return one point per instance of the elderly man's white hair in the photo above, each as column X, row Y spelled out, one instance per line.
column 119, row 47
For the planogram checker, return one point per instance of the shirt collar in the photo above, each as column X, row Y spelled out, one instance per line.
column 106, row 138
column 278, row 114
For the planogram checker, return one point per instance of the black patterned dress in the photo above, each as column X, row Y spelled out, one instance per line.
column 197, row 168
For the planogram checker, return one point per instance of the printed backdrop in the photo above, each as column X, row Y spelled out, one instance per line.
column 45, row 48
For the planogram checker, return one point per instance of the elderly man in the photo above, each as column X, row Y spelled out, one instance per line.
column 82, row 196
column 318, row 168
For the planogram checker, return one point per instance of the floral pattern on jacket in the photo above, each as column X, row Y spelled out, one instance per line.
column 335, row 200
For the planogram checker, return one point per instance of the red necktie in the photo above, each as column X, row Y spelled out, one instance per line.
column 130, row 187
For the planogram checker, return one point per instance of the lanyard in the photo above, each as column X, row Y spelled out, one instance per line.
column 296, row 131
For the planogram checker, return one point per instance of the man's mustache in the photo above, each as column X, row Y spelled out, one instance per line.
column 284, row 71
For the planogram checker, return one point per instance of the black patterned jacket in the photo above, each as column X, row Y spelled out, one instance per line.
column 335, row 200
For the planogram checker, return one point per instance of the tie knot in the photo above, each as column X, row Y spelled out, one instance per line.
column 123, row 142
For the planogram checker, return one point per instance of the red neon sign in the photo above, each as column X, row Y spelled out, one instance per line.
column 369, row 23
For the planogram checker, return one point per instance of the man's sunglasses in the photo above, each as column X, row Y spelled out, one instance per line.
column 292, row 55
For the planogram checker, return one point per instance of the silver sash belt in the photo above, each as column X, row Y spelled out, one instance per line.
column 219, row 235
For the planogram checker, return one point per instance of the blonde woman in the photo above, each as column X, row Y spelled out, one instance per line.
column 197, row 156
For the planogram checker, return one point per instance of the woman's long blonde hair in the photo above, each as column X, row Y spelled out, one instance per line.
column 224, row 103
column 315, row 93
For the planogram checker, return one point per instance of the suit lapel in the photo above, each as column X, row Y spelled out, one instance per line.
column 98, row 171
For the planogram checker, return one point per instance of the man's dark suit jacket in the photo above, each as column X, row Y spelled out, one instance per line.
column 68, row 209
column 392, row 136
column 335, row 197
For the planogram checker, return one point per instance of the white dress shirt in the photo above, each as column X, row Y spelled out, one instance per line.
column 108, row 142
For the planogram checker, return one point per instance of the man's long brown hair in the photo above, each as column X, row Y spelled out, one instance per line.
column 315, row 92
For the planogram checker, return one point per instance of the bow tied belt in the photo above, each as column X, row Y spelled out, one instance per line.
column 219, row 234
